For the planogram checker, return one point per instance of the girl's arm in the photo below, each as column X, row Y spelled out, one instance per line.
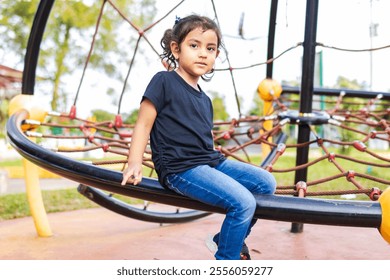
column 146, row 116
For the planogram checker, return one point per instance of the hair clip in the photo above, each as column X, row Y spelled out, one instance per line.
column 177, row 20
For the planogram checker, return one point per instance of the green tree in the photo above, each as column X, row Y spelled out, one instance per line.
column 220, row 112
column 68, row 36
column 132, row 118
column 102, row 115
column 257, row 107
column 345, row 83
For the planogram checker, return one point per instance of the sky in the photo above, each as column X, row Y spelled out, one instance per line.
column 343, row 24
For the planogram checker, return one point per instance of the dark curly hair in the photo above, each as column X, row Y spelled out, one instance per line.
column 180, row 30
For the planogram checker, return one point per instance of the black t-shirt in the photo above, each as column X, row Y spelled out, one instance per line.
column 181, row 136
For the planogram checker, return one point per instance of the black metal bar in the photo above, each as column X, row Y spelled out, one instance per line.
column 319, row 211
column 271, row 36
column 33, row 46
column 107, row 201
column 308, row 61
column 282, row 138
column 336, row 92
column 272, row 207
column 306, row 96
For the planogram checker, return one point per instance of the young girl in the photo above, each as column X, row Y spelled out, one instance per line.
column 178, row 117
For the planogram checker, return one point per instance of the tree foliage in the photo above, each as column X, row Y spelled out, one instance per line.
column 343, row 82
column 219, row 107
column 68, row 36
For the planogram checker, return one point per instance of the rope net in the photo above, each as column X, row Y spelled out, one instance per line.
column 345, row 132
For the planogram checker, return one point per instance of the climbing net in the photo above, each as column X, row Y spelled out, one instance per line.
column 243, row 139
column 343, row 128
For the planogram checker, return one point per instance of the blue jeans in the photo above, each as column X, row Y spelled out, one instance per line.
column 230, row 186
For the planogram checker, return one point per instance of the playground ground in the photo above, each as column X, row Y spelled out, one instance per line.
column 99, row 234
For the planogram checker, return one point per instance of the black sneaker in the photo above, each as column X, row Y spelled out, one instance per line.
column 244, row 254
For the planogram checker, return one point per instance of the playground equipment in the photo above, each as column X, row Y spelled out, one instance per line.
column 101, row 183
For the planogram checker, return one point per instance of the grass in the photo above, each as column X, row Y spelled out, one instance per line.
column 325, row 168
column 10, row 163
column 16, row 206
column 14, row 169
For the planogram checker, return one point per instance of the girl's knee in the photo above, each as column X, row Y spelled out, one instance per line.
column 271, row 184
column 250, row 206
column 268, row 185
column 246, row 205
column 271, row 189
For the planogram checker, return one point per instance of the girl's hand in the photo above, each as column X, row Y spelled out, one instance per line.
column 132, row 174
column 146, row 116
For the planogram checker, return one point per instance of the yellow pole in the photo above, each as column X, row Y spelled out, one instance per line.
column 384, row 201
column 31, row 178
column 268, row 89
column 35, row 201
column 267, row 110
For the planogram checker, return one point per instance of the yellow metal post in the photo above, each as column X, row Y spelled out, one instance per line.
column 31, row 172
column 268, row 90
column 267, row 110
column 35, row 201
column 384, row 200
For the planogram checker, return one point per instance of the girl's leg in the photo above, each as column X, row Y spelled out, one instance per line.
column 255, row 179
column 213, row 187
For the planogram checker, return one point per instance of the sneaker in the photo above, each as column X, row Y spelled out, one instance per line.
column 211, row 245
column 244, row 254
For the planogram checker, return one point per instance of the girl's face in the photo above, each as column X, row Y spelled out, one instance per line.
column 196, row 54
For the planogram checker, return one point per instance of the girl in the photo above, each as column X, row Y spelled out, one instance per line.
column 178, row 117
